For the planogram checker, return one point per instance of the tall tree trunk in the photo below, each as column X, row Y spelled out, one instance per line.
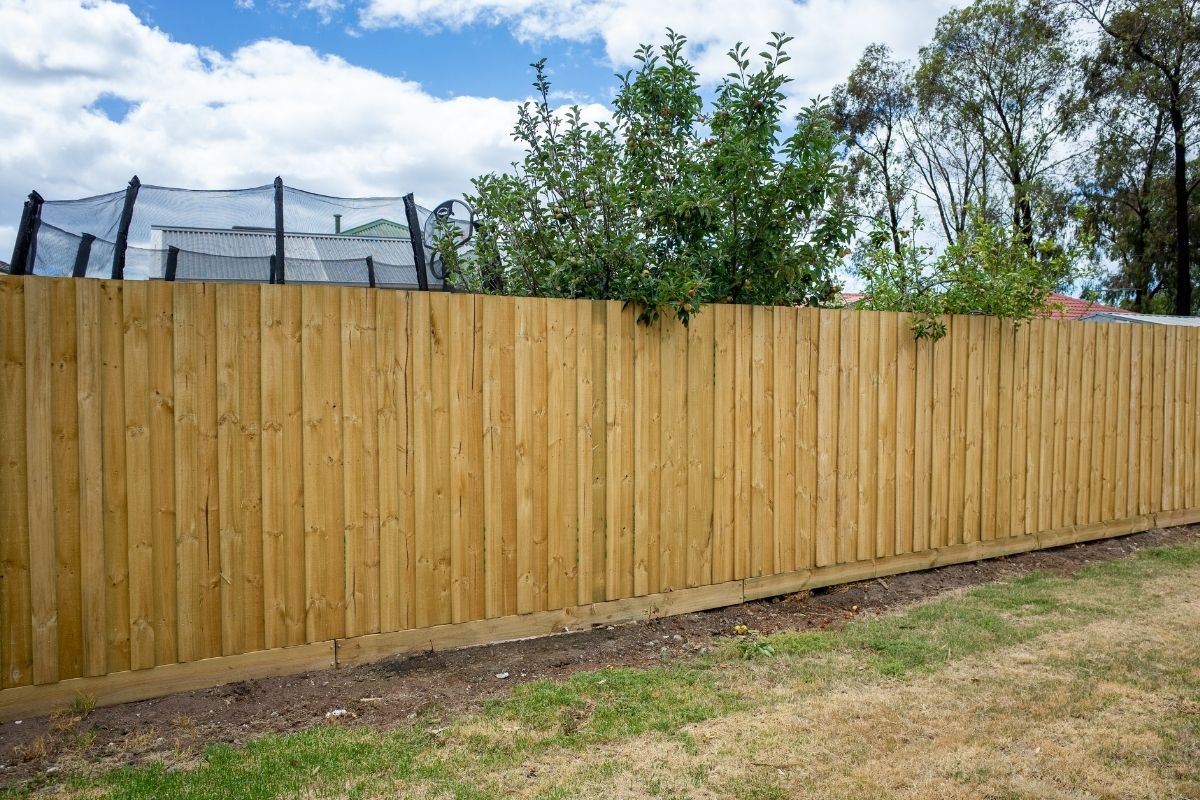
column 1183, row 244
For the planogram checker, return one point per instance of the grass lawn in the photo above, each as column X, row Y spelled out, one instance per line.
column 1044, row 686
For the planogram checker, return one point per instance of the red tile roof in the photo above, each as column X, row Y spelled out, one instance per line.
column 1072, row 307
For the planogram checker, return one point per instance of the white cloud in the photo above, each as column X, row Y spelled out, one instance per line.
column 830, row 34
column 198, row 118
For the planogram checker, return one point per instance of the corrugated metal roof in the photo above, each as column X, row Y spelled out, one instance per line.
column 1142, row 319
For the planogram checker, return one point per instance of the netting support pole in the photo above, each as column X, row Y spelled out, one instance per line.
column 414, row 235
column 131, row 193
column 31, row 215
column 277, row 272
column 371, row 272
column 82, row 255
column 172, row 263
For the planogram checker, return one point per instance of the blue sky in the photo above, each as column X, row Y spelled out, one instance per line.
column 479, row 58
column 354, row 97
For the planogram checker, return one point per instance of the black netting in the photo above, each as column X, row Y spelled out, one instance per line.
column 56, row 251
column 229, row 235
column 99, row 216
column 399, row 276
column 352, row 272
column 203, row 267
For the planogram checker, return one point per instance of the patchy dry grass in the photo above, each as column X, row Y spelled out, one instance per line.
column 1043, row 686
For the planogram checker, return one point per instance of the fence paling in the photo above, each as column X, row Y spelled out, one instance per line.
column 240, row 468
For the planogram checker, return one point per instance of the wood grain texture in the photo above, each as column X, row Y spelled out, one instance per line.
column 207, row 475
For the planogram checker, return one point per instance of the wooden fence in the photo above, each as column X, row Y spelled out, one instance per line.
column 322, row 475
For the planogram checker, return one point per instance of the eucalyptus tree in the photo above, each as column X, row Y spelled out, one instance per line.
column 1153, row 47
column 1003, row 68
column 872, row 110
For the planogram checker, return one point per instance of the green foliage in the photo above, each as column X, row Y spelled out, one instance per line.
column 667, row 206
column 988, row 270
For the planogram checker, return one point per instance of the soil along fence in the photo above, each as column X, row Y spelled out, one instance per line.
column 201, row 483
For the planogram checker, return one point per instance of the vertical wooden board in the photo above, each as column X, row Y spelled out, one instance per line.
column 476, row 543
column 560, row 379
column 1158, row 419
column 599, row 434
column 231, row 470
column 868, row 438
column 461, row 333
column 324, row 520
column 1033, row 416
column 960, row 398
column 700, row 428
column 743, row 465
column 1096, row 423
column 886, row 530
column 91, row 480
column 923, row 444
column 492, row 479
column 784, row 481
column 406, row 394
column 807, row 369
column 425, row 524
column 942, row 358
column 16, row 632
column 282, row 454
column 1121, row 422
column 761, row 442
column 724, row 422
column 672, row 533
column 906, row 433
column 847, row 438
column 160, row 352
column 1189, row 415
column 136, row 413
column 197, row 506
column 250, row 442
column 974, row 400
column 497, row 336
column 649, row 382
column 535, row 442
column 116, row 514
column 389, row 344
column 64, row 383
column 990, row 420
column 1107, row 422
column 1078, row 449
column 1023, row 370
column 1146, row 419
column 827, row 445
column 508, row 450
column 620, row 327
column 360, row 488
column 1137, row 367
column 1166, row 495
column 439, row 451
column 1068, row 346
column 39, row 481
column 1047, row 416
column 568, row 551
column 586, row 435
column 1002, row 334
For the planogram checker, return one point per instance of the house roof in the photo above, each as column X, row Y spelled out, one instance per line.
column 1075, row 307
column 1144, row 319
column 384, row 228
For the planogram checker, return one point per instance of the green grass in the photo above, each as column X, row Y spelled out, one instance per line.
column 460, row 758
